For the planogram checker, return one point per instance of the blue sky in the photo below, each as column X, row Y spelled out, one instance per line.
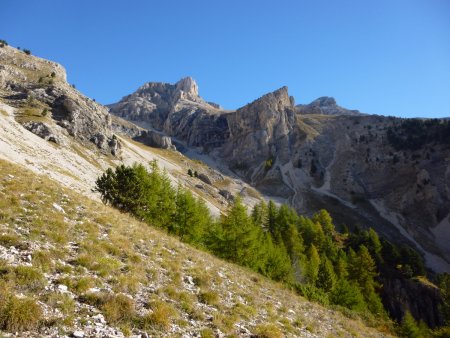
column 388, row 57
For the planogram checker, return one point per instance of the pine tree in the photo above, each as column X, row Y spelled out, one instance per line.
column 326, row 278
column 409, row 326
column 312, row 268
column 341, row 265
column 348, row 295
column 259, row 214
column 324, row 219
column 191, row 218
column 293, row 243
column 240, row 236
column 362, row 268
column 123, row 188
column 277, row 264
column 271, row 223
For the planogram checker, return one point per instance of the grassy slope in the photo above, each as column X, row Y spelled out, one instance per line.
column 98, row 252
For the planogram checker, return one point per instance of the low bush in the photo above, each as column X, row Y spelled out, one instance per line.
column 209, row 297
column 160, row 317
column 19, row 314
column 268, row 331
column 118, row 309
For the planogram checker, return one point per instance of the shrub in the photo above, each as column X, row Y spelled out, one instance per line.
column 29, row 278
column 44, row 112
column 208, row 297
column 53, row 74
column 20, row 314
column 268, row 164
column 190, row 172
column 42, row 260
column 97, row 299
column 268, row 331
column 27, row 51
column 3, row 43
column 160, row 317
column 207, row 333
column 83, row 284
column 312, row 293
column 61, row 301
column 118, row 309
column 12, row 240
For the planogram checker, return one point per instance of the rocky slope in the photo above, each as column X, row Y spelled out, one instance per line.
column 316, row 156
column 82, row 269
column 76, row 139
column 47, row 105
column 87, row 270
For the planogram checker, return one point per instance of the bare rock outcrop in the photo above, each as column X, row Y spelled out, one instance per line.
column 155, row 139
column 44, row 131
column 32, row 84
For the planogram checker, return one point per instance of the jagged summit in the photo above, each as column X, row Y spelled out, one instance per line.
column 275, row 101
column 156, row 100
column 324, row 101
column 188, row 88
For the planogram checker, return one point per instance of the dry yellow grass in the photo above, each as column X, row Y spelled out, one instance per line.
column 172, row 284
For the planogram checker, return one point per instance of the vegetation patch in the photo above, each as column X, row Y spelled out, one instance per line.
column 19, row 314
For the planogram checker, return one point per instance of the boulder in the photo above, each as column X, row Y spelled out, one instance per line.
column 44, row 131
column 204, row 178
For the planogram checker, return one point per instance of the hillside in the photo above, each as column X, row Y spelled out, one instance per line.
column 141, row 280
column 72, row 148
column 267, row 149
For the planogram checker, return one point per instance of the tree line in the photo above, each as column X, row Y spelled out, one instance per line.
column 307, row 253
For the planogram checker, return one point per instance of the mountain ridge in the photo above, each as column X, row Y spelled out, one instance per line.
column 272, row 128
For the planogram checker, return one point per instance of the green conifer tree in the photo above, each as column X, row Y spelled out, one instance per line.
column 326, row 278
column 312, row 267
column 240, row 236
column 409, row 326
column 348, row 295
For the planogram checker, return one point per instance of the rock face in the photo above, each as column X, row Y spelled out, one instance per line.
column 259, row 133
column 31, row 85
column 315, row 156
column 400, row 295
column 155, row 139
column 43, row 130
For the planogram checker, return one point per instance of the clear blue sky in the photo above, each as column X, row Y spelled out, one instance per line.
column 381, row 57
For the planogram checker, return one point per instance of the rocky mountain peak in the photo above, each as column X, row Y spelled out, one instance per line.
column 325, row 105
column 277, row 100
column 188, row 88
column 324, row 101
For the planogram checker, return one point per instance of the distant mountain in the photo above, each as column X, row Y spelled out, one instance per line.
column 326, row 106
